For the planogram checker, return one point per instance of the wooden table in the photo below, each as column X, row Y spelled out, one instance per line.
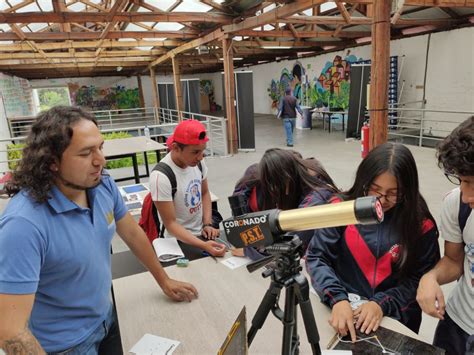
column 202, row 325
column 129, row 147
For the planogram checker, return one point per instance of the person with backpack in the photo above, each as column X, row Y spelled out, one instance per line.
column 180, row 191
column 381, row 264
column 455, row 330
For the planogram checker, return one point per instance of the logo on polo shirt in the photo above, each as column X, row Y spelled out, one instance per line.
column 110, row 217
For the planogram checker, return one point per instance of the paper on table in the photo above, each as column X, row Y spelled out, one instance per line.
column 154, row 345
column 236, row 261
column 167, row 249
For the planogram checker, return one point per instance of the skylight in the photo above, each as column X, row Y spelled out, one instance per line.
column 328, row 6
column 168, row 26
column 192, row 6
column 161, row 4
column 77, row 7
column 29, row 8
column 47, row 6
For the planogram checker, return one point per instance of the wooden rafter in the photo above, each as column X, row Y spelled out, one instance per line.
column 36, row 17
column 303, row 34
column 337, row 31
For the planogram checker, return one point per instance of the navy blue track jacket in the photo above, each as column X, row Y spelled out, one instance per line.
column 362, row 260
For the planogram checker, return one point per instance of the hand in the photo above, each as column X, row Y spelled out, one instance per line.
column 237, row 251
column 179, row 291
column 209, row 232
column 369, row 315
column 215, row 248
column 430, row 296
column 342, row 319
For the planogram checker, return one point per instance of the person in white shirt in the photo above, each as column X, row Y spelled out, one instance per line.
column 455, row 330
column 189, row 214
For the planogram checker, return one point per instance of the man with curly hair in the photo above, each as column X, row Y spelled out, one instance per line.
column 455, row 329
column 55, row 238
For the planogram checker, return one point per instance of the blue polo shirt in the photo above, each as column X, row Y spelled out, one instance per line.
column 61, row 253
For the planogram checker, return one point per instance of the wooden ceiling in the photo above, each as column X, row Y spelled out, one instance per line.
column 69, row 38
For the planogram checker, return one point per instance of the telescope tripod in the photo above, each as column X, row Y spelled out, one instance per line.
column 287, row 274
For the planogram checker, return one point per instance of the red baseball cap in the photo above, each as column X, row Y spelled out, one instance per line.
column 190, row 132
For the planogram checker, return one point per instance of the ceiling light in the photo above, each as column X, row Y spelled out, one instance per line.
column 363, row 40
column 328, row 48
column 418, row 29
column 235, row 58
column 276, row 47
column 119, row 68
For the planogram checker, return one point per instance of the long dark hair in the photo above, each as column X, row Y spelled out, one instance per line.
column 411, row 210
column 50, row 135
column 285, row 177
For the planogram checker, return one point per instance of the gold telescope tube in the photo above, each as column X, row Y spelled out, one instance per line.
column 325, row 216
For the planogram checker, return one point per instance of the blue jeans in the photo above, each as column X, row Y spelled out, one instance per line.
column 105, row 339
column 289, row 124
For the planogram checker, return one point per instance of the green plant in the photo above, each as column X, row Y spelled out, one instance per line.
column 14, row 152
column 126, row 162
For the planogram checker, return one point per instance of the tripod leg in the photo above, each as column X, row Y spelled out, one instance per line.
column 266, row 305
column 290, row 335
column 307, row 313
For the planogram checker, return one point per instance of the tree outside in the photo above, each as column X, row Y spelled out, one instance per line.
column 50, row 97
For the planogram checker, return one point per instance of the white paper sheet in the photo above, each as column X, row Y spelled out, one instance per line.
column 236, row 261
column 167, row 249
column 154, row 345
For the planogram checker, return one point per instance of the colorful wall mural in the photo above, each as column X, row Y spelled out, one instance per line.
column 329, row 88
column 17, row 95
column 109, row 98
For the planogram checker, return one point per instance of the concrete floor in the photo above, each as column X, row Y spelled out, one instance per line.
column 340, row 158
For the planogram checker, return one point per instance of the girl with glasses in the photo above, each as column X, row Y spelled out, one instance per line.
column 383, row 263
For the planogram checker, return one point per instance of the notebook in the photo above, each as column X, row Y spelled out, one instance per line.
column 167, row 249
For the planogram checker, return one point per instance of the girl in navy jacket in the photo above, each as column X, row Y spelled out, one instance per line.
column 381, row 263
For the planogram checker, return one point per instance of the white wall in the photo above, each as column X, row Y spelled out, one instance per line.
column 450, row 74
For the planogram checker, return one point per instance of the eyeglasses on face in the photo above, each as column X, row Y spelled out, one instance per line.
column 453, row 178
column 390, row 197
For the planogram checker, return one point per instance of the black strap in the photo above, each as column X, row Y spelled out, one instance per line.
column 464, row 213
column 164, row 168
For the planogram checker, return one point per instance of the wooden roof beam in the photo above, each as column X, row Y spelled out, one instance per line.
column 90, row 44
column 337, row 31
column 440, row 3
column 344, row 13
column 303, row 34
column 81, row 17
column 272, row 16
column 105, row 54
column 326, row 20
column 218, row 7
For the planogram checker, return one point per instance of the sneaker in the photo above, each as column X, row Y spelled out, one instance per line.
column 289, row 145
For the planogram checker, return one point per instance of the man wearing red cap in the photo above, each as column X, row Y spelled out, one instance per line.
column 189, row 213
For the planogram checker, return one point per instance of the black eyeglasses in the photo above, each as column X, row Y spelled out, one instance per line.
column 390, row 197
column 454, row 179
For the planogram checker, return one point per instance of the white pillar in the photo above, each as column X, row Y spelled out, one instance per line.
column 4, row 134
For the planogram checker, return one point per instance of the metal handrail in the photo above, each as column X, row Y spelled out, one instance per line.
column 160, row 121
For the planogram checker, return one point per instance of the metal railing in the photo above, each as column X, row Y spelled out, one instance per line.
column 424, row 127
column 160, row 121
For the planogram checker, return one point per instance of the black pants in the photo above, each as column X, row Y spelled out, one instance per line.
column 450, row 337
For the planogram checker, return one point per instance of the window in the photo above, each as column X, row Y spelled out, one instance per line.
column 45, row 98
